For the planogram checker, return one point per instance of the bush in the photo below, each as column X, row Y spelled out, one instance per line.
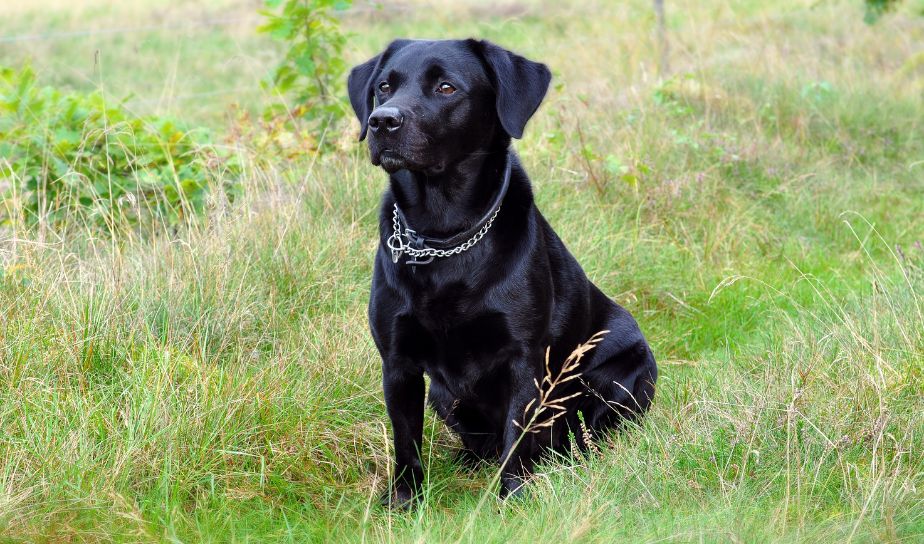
column 875, row 9
column 313, row 68
column 74, row 158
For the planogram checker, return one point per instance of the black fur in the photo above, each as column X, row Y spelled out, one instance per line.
column 478, row 323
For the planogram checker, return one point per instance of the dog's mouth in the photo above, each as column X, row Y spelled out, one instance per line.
column 390, row 161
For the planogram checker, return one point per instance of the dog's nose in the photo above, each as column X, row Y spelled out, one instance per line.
column 388, row 118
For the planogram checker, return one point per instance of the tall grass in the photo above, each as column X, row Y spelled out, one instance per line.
column 217, row 382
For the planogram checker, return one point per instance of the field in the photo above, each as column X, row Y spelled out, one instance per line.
column 759, row 209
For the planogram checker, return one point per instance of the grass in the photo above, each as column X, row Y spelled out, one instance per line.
column 764, row 224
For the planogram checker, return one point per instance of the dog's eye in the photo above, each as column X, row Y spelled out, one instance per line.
column 446, row 88
column 384, row 87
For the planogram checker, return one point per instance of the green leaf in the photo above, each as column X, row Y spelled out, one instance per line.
column 613, row 166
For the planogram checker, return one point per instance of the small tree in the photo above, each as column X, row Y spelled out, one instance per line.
column 313, row 67
column 663, row 66
column 877, row 8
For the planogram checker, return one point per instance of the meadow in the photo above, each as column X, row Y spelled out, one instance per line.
column 759, row 208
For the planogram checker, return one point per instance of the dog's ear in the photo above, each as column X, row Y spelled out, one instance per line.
column 361, row 80
column 519, row 83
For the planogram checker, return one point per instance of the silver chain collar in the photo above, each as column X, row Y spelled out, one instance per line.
column 400, row 241
column 406, row 241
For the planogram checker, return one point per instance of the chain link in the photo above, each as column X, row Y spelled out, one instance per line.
column 399, row 242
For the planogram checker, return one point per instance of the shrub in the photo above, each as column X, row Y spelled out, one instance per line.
column 74, row 158
column 313, row 68
column 875, row 9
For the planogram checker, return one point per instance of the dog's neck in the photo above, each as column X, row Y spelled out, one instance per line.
column 453, row 200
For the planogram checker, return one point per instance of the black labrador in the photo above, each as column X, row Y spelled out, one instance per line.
column 471, row 284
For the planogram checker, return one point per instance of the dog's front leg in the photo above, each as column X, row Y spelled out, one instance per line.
column 404, row 399
column 520, row 445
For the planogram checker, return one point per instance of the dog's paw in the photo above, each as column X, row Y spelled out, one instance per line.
column 468, row 459
column 400, row 498
column 512, row 487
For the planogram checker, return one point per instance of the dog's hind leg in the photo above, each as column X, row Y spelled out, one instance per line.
column 622, row 381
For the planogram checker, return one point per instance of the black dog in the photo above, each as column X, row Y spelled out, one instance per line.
column 471, row 284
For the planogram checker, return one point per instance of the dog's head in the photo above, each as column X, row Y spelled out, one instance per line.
column 425, row 105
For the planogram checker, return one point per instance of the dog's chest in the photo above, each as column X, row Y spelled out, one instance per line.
column 460, row 349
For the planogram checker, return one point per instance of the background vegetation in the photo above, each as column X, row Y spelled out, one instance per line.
column 74, row 161
column 760, row 209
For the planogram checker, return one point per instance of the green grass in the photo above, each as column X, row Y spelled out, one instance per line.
column 219, row 383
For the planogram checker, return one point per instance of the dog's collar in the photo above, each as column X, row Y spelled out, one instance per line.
column 405, row 240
